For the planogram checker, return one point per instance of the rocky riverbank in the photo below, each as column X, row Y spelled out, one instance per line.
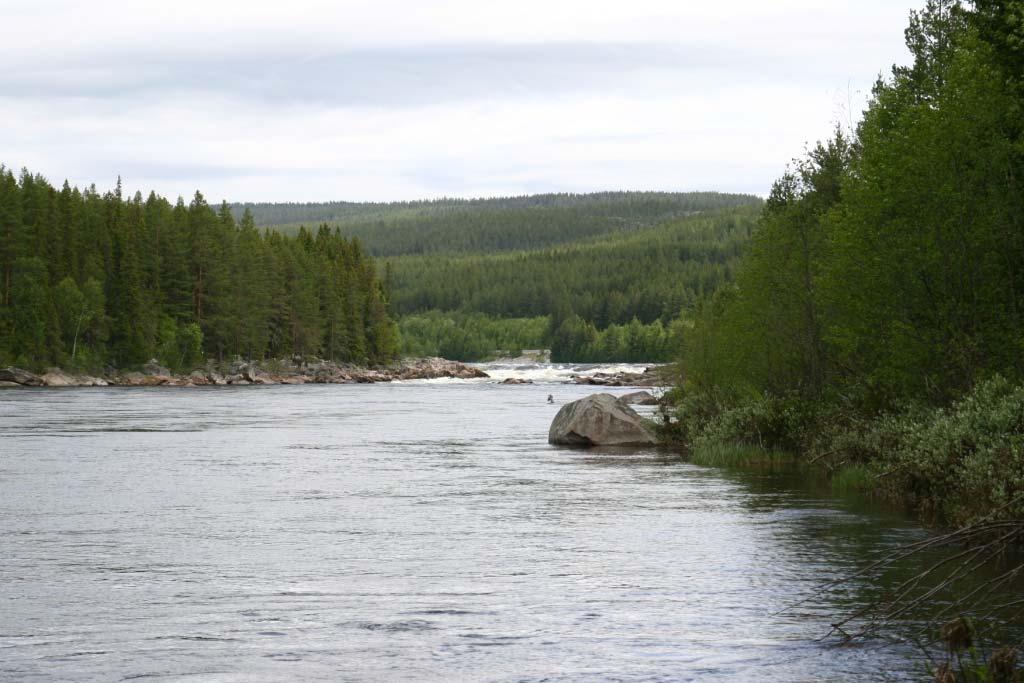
column 242, row 373
column 655, row 376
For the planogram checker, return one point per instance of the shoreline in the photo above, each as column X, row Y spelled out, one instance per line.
column 245, row 373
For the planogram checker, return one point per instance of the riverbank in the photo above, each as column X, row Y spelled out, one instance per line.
column 949, row 465
column 245, row 373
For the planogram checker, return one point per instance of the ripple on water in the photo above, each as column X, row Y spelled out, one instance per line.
column 403, row 532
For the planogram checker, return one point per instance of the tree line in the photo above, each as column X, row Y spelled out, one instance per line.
column 479, row 337
column 459, row 226
column 650, row 274
column 881, row 301
column 89, row 280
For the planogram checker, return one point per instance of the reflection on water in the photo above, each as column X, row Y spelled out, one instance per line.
column 403, row 532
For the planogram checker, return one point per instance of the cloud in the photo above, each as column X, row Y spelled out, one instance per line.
column 395, row 100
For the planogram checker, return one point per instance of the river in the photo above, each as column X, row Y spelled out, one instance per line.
column 419, row 531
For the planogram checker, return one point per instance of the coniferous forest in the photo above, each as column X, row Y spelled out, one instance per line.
column 90, row 280
column 614, row 276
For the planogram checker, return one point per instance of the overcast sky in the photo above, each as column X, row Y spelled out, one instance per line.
column 398, row 99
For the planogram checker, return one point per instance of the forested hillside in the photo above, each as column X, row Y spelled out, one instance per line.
column 633, row 286
column 649, row 274
column 877, row 322
column 455, row 226
column 90, row 280
column 611, row 273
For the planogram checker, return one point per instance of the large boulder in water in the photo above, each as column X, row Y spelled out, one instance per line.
column 599, row 420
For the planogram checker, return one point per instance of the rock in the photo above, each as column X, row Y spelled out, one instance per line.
column 199, row 378
column 516, row 380
column 651, row 377
column 133, row 379
column 433, row 368
column 9, row 385
column 153, row 367
column 19, row 376
column 599, row 420
column 639, row 398
column 238, row 367
column 55, row 377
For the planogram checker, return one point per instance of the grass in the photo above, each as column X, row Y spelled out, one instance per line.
column 736, row 455
column 854, row 478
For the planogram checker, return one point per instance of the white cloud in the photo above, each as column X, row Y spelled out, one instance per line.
column 395, row 100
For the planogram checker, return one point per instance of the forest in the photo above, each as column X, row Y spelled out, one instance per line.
column 875, row 327
column 623, row 297
column 615, row 275
column 90, row 280
column 461, row 226
column 876, row 322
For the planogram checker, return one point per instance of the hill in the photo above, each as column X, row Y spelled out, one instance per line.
column 604, row 276
column 462, row 226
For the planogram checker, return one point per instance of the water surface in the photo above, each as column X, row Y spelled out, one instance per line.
column 411, row 531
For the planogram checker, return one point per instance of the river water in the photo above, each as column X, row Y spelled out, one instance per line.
column 413, row 531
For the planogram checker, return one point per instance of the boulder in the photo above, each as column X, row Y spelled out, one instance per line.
column 433, row 368
column 516, row 380
column 9, row 385
column 132, row 379
column 153, row 367
column 56, row 377
column 639, row 398
column 19, row 376
column 199, row 378
column 599, row 420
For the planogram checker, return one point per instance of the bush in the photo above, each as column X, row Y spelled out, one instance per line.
column 958, row 463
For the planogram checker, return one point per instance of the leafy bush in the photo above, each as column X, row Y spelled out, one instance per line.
column 957, row 463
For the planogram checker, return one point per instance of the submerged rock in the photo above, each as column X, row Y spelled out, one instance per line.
column 599, row 420
column 517, row 380
column 639, row 398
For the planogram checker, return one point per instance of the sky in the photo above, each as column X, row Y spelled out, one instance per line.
column 377, row 100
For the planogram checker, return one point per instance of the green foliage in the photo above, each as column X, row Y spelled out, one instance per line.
column 957, row 462
column 706, row 419
column 650, row 274
column 469, row 336
column 89, row 280
column 576, row 340
column 461, row 226
column 890, row 266
column 34, row 323
column 884, row 287
column 610, row 259
column 852, row 478
column 736, row 455
column 950, row 464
